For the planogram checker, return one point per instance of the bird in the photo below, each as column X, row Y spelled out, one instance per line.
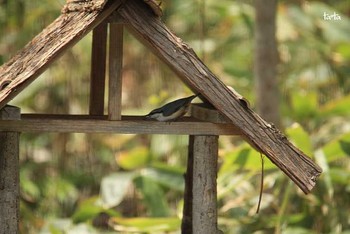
column 172, row 110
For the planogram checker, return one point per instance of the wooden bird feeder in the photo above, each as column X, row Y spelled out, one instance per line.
column 231, row 116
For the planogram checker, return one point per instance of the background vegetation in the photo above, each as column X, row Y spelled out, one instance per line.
column 96, row 183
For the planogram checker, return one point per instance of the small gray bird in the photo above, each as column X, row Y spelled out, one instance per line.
column 172, row 110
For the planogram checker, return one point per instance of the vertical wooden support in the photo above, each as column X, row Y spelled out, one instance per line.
column 9, row 174
column 98, row 69
column 186, row 225
column 203, row 150
column 115, row 71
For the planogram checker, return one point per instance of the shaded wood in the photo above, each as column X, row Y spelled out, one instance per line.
column 204, row 208
column 182, row 59
column 128, row 125
column 155, row 7
column 46, row 47
column 202, row 112
column 9, row 174
column 98, row 69
column 115, row 71
column 186, row 224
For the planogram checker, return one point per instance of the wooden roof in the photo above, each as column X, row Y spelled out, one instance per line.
column 77, row 20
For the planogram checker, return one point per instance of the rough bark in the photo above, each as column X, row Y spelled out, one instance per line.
column 186, row 225
column 204, row 208
column 9, row 174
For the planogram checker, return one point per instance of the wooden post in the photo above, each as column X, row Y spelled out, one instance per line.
column 98, row 69
column 9, row 174
column 186, row 225
column 115, row 71
column 203, row 152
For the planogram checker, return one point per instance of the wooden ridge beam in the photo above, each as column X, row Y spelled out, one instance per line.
column 100, row 124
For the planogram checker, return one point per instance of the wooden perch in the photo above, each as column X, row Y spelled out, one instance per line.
column 141, row 21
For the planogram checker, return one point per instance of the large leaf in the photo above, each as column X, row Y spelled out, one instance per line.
column 66, row 226
column 114, row 188
column 146, row 225
column 153, row 197
column 165, row 176
column 132, row 159
column 244, row 157
column 300, row 138
column 337, row 148
column 305, row 105
column 339, row 107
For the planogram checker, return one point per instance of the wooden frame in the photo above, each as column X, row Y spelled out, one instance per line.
column 233, row 116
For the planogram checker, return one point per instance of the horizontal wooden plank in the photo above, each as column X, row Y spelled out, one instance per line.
column 101, row 124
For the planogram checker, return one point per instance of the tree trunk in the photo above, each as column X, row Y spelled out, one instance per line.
column 266, row 61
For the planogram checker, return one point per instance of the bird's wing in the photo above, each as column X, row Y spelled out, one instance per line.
column 174, row 106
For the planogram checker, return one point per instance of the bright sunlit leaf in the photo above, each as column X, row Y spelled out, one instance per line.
column 300, row 138
column 134, row 158
column 114, row 188
column 148, row 225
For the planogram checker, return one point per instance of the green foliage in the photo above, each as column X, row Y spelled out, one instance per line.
column 69, row 182
column 146, row 225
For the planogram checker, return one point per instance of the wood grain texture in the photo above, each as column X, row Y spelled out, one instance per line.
column 115, row 71
column 46, row 47
column 98, row 69
column 182, row 59
column 9, row 174
column 101, row 124
column 204, row 210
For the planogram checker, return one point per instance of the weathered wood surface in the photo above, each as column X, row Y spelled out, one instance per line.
column 186, row 224
column 183, row 60
column 101, row 124
column 9, row 174
column 46, row 47
column 204, row 208
column 83, row 5
column 98, row 69
column 115, row 71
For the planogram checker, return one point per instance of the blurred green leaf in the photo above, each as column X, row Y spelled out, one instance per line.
column 148, row 225
column 340, row 176
column 165, row 176
column 153, row 197
column 297, row 230
column 300, row 138
column 345, row 146
column 339, row 107
column 244, row 157
column 87, row 210
column 114, row 188
column 305, row 105
column 321, row 160
column 132, row 159
column 29, row 189
column 337, row 148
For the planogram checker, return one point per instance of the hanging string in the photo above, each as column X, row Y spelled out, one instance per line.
column 261, row 182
